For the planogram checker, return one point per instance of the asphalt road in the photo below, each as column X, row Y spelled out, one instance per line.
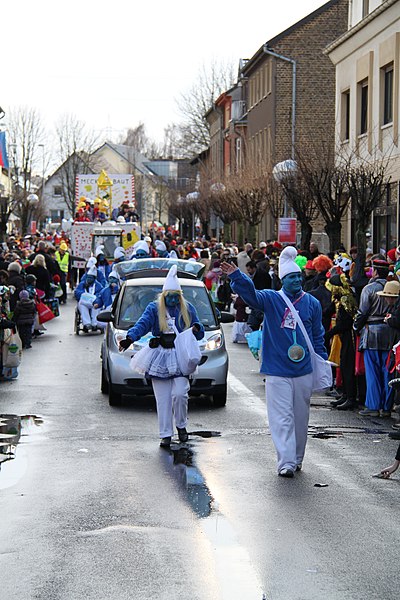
column 92, row 508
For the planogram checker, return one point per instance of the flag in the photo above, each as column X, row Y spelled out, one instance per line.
column 3, row 151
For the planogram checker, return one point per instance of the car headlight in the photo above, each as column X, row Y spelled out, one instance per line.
column 214, row 342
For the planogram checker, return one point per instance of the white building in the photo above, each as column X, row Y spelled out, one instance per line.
column 367, row 61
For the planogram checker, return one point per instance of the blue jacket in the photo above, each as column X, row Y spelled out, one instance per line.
column 149, row 322
column 105, row 270
column 104, row 298
column 81, row 288
column 100, row 278
column 276, row 339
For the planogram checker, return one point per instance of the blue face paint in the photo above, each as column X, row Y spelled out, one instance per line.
column 172, row 300
column 292, row 283
column 141, row 254
column 90, row 279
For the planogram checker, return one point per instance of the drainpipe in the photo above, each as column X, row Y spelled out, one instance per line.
column 266, row 50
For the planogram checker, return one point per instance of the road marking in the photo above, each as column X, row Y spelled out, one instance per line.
column 257, row 403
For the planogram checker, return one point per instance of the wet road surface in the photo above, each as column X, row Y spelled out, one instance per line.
column 92, row 507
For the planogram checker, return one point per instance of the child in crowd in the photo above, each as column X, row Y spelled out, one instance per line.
column 24, row 317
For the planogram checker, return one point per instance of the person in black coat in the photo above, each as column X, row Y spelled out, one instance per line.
column 24, row 317
column 15, row 280
column 39, row 270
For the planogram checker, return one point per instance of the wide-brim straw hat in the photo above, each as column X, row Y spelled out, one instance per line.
column 391, row 289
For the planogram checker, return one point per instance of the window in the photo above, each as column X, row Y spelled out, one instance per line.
column 365, row 8
column 57, row 190
column 363, row 123
column 387, row 76
column 345, row 116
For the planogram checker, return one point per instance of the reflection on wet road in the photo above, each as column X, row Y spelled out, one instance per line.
column 236, row 575
column 12, row 463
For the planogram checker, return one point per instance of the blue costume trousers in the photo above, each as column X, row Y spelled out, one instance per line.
column 379, row 394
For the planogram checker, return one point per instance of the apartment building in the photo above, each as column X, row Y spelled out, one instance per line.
column 367, row 62
column 290, row 91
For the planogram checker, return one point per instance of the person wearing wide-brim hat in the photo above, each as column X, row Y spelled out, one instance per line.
column 169, row 315
column 286, row 359
column 376, row 340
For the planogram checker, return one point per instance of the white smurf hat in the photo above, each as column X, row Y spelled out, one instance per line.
column 119, row 252
column 99, row 250
column 91, row 262
column 286, row 262
column 159, row 245
column 171, row 283
column 92, row 271
column 141, row 245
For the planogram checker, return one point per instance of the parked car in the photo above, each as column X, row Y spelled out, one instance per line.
column 145, row 279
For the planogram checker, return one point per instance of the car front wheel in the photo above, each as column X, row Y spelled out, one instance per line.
column 104, row 382
column 219, row 398
column 114, row 399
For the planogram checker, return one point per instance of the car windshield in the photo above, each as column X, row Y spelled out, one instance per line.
column 110, row 242
column 136, row 299
column 128, row 267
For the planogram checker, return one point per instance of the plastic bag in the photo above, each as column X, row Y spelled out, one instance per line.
column 254, row 340
column 44, row 313
column 187, row 352
column 87, row 299
column 12, row 349
column 322, row 372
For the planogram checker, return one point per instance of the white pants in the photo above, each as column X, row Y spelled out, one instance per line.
column 88, row 315
column 172, row 400
column 288, row 406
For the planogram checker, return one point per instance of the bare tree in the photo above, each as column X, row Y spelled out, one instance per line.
column 75, row 146
column 327, row 184
column 26, row 132
column 193, row 105
column 303, row 204
column 367, row 184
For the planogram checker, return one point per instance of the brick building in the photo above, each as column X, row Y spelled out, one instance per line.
column 367, row 61
column 289, row 87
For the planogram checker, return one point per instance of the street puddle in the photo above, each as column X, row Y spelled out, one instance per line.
column 325, row 433
column 13, row 464
column 236, row 575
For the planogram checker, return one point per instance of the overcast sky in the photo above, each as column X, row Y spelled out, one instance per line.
column 119, row 62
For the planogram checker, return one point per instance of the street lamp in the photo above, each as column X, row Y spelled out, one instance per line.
column 192, row 197
column 281, row 171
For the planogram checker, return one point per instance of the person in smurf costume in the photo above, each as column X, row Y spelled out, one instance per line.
column 286, row 360
column 169, row 315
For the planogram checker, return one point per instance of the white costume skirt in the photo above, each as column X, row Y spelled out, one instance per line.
column 156, row 362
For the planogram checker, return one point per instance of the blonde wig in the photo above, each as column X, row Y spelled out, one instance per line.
column 162, row 312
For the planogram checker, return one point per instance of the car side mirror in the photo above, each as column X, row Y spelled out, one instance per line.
column 105, row 316
column 226, row 317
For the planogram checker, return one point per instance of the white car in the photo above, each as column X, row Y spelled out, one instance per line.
column 145, row 282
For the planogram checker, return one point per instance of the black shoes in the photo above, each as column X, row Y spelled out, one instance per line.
column 348, row 405
column 182, row 434
column 286, row 473
column 165, row 442
column 339, row 401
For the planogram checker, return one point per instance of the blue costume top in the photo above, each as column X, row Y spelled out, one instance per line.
column 104, row 269
column 105, row 297
column 81, row 288
column 99, row 277
column 149, row 322
column 277, row 339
